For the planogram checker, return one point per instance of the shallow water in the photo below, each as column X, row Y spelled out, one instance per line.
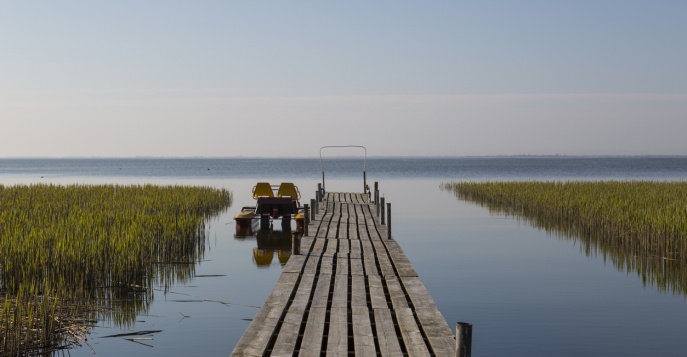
column 527, row 293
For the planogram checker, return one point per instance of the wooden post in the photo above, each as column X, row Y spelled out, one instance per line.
column 364, row 182
column 377, row 201
column 306, row 219
column 463, row 339
column 319, row 189
column 388, row 213
column 322, row 181
column 313, row 209
column 376, row 191
column 295, row 243
column 381, row 203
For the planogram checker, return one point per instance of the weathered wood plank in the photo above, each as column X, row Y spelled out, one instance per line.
column 344, row 246
column 396, row 294
column 352, row 227
column 358, row 293
column 386, row 333
column 332, row 247
column 342, row 264
column 363, row 339
column 343, row 229
column 377, row 296
column 255, row 339
column 387, row 269
column 369, row 260
column 288, row 334
column 337, row 337
column 356, row 264
column 412, row 336
column 322, row 291
column 311, row 345
column 439, row 334
column 295, row 264
column 306, row 243
column 311, row 264
column 333, row 232
column 340, row 294
column 359, row 214
column 400, row 260
column 417, row 292
column 370, row 212
column 327, row 265
column 381, row 232
column 356, row 249
column 318, row 247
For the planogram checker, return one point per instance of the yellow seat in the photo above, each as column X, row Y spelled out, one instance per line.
column 262, row 189
column 288, row 189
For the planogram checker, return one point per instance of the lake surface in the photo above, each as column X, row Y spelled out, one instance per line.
column 526, row 292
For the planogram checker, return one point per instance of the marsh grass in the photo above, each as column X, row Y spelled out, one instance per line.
column 71, row 254
column 640, row 225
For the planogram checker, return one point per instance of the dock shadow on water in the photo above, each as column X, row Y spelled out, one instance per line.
column 75, row 255
column 653, row 259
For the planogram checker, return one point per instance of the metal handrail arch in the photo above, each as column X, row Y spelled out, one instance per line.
column 346, row 146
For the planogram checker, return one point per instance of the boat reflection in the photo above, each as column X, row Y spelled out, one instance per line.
column 270, row 242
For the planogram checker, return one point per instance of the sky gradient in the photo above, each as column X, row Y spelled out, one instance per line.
column 275, row 78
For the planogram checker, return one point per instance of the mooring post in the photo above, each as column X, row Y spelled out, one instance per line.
column 319, row 190
column 376, row 191
column 377, row 200
column 364, row 182
column 388, row 213
column 381, row 203
column 313, row 209
column 463, row 339
column 295, row 243
column 306, row 219
column 322, row 181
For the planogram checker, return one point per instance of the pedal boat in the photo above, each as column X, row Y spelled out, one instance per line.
column 284, row 205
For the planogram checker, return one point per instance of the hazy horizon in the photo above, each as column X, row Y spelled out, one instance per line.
column 347, row 157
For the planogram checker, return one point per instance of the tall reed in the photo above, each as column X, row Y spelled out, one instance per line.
column 639, row 225
column 65, row 249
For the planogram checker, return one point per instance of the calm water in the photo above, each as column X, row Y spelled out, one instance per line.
column 527, row 293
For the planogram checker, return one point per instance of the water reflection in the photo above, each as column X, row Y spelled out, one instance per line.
column 52, row 329
column 270, row 242
column 666, row 274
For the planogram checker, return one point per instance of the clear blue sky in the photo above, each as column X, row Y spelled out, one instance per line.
column 282, row 78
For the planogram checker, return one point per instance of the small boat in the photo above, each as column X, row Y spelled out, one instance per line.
column 272, row 202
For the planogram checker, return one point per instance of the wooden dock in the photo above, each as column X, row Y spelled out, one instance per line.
column 351, row 291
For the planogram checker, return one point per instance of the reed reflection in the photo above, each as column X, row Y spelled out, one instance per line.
column 655, row 259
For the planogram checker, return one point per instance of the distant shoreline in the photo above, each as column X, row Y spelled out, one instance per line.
column 646, row 156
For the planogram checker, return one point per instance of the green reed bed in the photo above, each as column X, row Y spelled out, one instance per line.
column 67, row 249
column 640, row 225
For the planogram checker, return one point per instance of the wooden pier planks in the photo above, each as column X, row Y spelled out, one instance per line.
column 351, row 292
